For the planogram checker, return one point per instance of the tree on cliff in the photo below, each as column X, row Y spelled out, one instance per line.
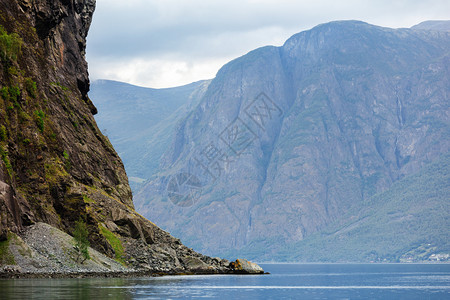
column 81, row 242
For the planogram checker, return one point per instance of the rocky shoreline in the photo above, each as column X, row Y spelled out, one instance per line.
column 11, row 274
column 43, row 251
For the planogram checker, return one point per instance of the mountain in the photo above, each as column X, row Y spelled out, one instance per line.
column 140, row 120
column 433, row 25
column 407, row 223
column 57, row 169
column 286, row 141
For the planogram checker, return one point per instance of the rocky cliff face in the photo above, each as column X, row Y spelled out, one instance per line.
column 57, row 167
column 287, row 139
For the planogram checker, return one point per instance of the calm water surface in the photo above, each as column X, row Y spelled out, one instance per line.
column 286, row 281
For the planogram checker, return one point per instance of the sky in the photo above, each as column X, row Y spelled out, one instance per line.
column 167, row 43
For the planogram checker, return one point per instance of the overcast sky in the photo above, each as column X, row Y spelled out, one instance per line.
column 166, row 43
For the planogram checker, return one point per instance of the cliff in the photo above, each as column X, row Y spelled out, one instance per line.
column 57, row 168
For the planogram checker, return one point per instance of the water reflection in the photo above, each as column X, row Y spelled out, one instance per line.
column 83, row 288
column 310, row 281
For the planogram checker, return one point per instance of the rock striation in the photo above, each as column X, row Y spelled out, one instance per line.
column 56, row 166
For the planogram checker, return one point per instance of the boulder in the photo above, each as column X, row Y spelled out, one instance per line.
column 194, row 264
column 246, row 267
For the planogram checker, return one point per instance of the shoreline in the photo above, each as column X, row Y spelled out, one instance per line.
column 126, row 274
column 356, row 263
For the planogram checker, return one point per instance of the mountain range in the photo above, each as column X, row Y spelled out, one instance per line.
column 331, row 147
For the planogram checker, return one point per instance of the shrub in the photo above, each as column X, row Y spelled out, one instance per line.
column 67, row 164
column 5, row 159
column 10, row 45
column 3, row 134
column 11, row 93
column 14, row 93
column 30, row 86
column 40, row 116
column 4, row 91
column 13, row 71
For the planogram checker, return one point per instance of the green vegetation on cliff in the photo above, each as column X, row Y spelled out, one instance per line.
column 10, row 45
column 115, row 243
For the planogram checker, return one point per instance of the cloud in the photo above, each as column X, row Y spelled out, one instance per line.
column 158, row 72
column 161, row 43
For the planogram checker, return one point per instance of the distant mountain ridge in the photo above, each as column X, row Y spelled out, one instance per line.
column 331, row 120
column 139, row 121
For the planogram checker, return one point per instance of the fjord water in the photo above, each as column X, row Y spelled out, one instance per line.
column 286, row 281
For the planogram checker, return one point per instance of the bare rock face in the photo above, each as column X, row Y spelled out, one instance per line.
column 57, row 167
